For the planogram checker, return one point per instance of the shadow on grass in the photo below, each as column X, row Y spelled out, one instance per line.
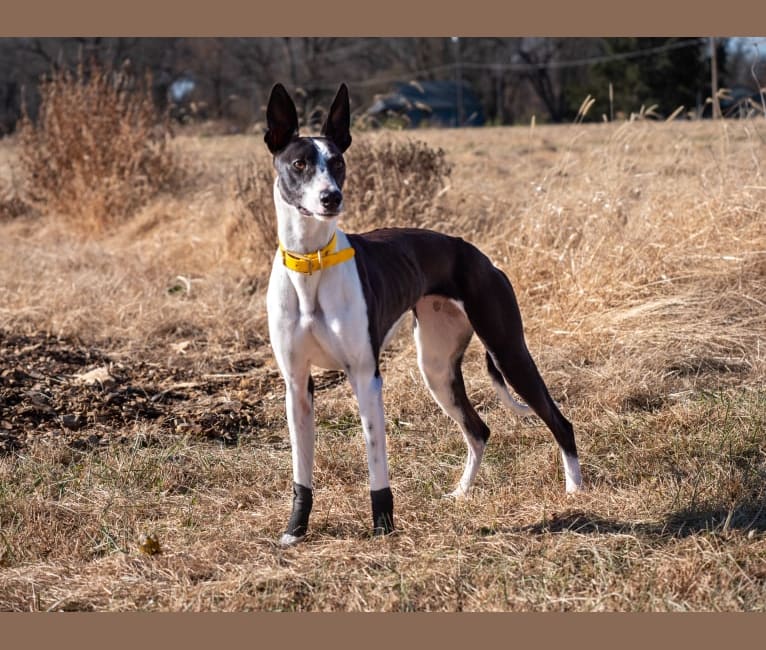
column 683, row 523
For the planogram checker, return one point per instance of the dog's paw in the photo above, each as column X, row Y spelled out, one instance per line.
column 290, row 540
column 572, row 474
column 457, row 494
column 573, row 489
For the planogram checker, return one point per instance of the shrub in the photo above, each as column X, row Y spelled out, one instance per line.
column 98, row 149
column 253, row 228
column 393, row 183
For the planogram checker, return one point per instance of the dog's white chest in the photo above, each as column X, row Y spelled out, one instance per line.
column 320, row 338
column 321, row 318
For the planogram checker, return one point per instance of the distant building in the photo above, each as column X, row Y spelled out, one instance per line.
column 742, row 101
column 430, row 103
column 186, row 98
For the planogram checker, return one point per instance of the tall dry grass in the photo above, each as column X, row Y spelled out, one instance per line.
column 652, row 256
column 98, row 149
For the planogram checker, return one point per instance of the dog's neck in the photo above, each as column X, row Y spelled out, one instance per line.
column 297, row 232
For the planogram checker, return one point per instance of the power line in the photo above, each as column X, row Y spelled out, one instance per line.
column 522, row 67
column 635, row 54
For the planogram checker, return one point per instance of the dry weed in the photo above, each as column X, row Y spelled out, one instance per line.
column 98, row 149
column 393, row 181
column 252, row 231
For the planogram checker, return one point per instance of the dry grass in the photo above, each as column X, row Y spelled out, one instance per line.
column 638, row 253
column 98, row 150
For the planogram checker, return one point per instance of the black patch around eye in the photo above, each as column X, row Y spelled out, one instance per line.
column 302, row 150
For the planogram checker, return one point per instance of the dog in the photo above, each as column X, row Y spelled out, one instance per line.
column 334, row 299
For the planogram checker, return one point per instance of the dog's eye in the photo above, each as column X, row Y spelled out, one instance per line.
column 337, row 163
column 299, row 165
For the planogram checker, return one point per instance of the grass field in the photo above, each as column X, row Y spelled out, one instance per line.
column 138, row 394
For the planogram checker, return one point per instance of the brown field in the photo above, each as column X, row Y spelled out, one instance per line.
column 638, row 254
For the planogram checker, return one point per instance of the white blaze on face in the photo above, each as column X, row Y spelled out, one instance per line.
column 321, row 181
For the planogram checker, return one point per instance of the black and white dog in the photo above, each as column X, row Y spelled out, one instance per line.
column 333, row 300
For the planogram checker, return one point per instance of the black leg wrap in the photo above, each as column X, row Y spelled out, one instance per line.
column 382, row 511
column 303, row 499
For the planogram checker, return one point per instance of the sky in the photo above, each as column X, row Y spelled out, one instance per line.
column 756, row 41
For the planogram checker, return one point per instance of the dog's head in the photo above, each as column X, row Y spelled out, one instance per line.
column 310, row 171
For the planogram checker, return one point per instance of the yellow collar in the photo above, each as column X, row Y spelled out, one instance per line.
column 322, row 259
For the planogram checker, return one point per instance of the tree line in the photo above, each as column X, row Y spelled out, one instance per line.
column 514, row 78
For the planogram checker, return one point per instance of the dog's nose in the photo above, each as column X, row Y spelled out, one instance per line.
column 330, row 199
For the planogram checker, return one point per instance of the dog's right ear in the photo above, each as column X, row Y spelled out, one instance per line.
column 281, row 120
column 337, row 125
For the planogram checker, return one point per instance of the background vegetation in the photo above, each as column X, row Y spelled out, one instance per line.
column 515, row 78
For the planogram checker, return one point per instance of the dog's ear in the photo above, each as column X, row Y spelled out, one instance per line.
column 338, row 123
column 281, row 120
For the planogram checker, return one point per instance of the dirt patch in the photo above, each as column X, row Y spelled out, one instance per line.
column 63, row 388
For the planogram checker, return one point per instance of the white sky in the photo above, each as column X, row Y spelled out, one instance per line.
column 759, row 41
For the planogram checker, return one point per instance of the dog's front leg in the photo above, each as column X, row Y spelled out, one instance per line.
column 368, row 388
column 299, row 402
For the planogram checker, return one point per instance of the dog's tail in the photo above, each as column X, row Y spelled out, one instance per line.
column 522, row 410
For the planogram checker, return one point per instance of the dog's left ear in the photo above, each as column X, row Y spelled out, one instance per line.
column 338, row 124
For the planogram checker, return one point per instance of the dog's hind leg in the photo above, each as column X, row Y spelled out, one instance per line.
column 521, row 372
column 442, row 333
column 498, row 382
column 498, row 323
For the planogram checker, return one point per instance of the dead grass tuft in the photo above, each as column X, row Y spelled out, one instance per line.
column 251, row 232
column 98, row 149
column 393, row 180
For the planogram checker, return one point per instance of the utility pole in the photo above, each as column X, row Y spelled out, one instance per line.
column 714, row 79
column 499, row 96
column 458, row 81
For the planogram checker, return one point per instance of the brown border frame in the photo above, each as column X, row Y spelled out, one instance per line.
column 400, row 18
column 392, row 17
